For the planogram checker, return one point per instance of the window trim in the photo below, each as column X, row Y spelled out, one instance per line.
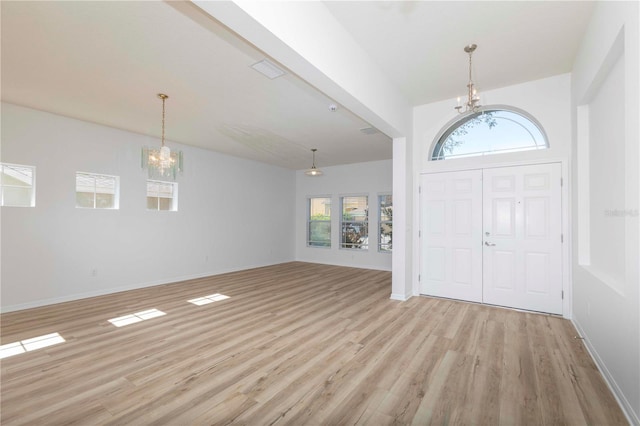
column 32, row 187
column 380, row 221
column 174, row 195
column 309, row 198
column 341, row 244
column 457, row 121
column 116, row 194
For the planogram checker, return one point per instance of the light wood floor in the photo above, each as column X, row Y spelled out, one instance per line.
column 298, row 344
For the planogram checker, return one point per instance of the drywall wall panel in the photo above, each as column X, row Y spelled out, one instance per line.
column 605, row 268
column 370, row 179
column 233, row 214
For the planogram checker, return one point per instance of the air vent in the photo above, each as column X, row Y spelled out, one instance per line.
column 268, row 68
column 369, row 131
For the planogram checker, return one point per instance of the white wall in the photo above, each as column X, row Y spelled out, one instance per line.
column 606, row 254
column 371, row 179
column 547, row 100
column 233, row 214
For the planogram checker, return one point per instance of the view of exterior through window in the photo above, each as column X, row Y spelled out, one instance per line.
column 162, row 195
column 319, row 224
column 96, row 191
column 17, row 184
column 355, row 223
column 385, row 203
column 490, row 131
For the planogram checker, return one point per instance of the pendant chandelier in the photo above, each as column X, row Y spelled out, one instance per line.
column 162, row 163
column 473, row 98
column 314, row 171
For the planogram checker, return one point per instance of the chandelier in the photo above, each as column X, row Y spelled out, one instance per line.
column 473, row 98
column 162, row 163
column 314, row 171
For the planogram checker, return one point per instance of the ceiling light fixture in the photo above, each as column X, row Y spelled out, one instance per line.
column 314, row 171
column 473, row 98
column 162, row 163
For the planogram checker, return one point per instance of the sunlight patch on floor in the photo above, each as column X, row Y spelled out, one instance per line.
column 208, row 299
column 137, row 317
column 32, row 344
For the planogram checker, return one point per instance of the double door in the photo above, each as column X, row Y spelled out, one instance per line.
column 493, row 236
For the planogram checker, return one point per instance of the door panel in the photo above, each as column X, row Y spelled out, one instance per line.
column 536, row 273
column 522, row 229
column 536, row 218
column 503, row 220
column 451, row 235
column 462, row 266
column 503, row 264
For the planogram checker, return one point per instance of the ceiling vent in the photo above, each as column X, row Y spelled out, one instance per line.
column 369, row 130
column 268, row 68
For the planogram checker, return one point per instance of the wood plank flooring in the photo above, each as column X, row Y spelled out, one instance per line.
column 297, row 344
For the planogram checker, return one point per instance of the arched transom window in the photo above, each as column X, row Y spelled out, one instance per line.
column 492, row 130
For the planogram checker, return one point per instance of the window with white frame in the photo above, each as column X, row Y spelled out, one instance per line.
column 17, row 185
column 162, row 196
column 354, row 223
column 492, row 130
column 385, row 208
column 319, row 222
column 94, row 191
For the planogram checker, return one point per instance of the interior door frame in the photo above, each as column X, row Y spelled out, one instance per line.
column 450, row 166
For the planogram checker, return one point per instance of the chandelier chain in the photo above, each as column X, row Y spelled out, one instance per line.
column 470, row 79
column 472, row 103
column 163, row 99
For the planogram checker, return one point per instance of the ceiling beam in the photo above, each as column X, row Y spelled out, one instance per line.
column 307, row 40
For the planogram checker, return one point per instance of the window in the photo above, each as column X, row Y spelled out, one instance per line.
column 355, row 223
column 319, row 229
column 97, row 191
column 385, row 207
column 490, row 131
column 17, row 185
column 162, row 195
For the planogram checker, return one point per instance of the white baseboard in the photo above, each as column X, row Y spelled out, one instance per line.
column 627, row 409
column 400, row 297
column 346, row 264
column 111, row 290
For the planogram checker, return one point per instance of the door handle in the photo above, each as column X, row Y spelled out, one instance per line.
column 488, row 244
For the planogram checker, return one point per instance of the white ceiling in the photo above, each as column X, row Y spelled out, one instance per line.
column 104, row 62
column 420, row 44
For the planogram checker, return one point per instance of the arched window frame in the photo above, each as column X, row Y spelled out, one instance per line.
column 452, row 125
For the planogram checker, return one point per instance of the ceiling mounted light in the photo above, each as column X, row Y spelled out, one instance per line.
column 162, row 163
column 473, row 98
column 314, row 171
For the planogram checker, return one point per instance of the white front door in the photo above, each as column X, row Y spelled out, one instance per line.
column 522, row 260
column 451, row 231
column 493, row 236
